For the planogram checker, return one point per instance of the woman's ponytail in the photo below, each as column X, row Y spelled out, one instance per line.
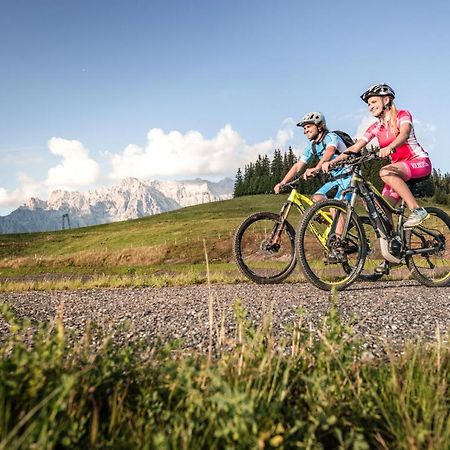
column 393, row 120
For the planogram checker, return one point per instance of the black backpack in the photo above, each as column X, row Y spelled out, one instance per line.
column 348, row 141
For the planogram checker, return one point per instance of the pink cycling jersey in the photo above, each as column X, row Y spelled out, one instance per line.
column 409, row 150
column 412, row 157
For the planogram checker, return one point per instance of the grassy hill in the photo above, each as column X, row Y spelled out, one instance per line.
column 167, row 244
column 157, row 250
column 212, row 221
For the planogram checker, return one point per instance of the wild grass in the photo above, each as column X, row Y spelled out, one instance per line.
column 211, row 221
column 160, row 276
column 316, row 389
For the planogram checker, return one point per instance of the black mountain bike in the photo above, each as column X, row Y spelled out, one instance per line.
column 423, row 248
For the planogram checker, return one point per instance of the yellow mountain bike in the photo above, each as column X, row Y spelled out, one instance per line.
column 264, row 243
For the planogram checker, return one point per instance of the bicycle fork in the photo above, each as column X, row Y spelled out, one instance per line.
column 275, row 236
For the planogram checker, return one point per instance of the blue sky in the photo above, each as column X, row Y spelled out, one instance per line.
column 95, row 91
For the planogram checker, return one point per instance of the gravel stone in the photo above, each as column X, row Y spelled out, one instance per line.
column 382, row 313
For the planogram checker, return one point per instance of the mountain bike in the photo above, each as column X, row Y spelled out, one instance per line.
column 423, row 248
column 264, row 243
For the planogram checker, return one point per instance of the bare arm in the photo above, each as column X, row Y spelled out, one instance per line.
column 296, row 168
column 355, row 148
column 329, row 152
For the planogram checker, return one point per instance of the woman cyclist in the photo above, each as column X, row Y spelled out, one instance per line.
column 395, row 133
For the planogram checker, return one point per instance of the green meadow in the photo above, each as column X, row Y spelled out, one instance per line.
column 163, row 249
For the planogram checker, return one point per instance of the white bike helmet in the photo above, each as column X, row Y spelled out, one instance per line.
column 314, row 117
column 378, row 90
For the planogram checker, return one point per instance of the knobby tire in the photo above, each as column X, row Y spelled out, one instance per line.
column 260, row 266
column 310, row 251
column 417, row 237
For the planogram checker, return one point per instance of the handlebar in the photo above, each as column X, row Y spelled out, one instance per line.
column 355, row 160
column 352, row 161
column 291, row 184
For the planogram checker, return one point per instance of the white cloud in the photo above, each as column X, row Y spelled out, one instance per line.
column 76, row 168
column 175, row 154
column 362, row 118
column 171, row 154
column 426, row 134
column 27, row 188
column 364, row 123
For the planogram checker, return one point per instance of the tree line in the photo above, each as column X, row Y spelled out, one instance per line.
column 441, row 183
column 260, row 176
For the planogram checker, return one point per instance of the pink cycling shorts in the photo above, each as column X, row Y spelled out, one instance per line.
column 411, row 168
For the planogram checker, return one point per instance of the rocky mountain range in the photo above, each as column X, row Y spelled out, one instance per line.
column 131, row 199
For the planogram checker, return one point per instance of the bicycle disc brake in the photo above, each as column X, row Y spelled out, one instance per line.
column 268, row 248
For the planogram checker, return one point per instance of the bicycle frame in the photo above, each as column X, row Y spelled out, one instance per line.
column 379, row 209
column 302, row 202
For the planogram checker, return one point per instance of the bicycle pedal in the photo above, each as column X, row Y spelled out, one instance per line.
column 382, row 270
column 333, row 258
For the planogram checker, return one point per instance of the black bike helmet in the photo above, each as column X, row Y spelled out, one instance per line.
column 378, row 90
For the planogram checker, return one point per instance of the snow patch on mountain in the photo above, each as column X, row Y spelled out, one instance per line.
column 131, row 199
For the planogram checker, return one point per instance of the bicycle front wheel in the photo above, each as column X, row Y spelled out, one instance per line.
column 264, row 253
column 431, row 267
column 374, row 256
column 328, row 259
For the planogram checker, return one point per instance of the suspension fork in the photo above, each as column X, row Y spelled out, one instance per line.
column 279, row 227
column 349, row 211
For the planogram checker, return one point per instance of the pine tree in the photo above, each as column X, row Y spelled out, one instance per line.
column 248, row 174
column 238, row 184
column 266, row 182
column 286, row 165
column 291, row 158
column 262, row 175
column 276, row 168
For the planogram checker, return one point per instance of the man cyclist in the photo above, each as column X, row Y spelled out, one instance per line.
column 324, row 145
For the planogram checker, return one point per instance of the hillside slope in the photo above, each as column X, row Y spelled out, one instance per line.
column 181, row 231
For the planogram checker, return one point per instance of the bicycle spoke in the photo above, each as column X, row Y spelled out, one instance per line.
column 432, row 267
column 263, row 255
column 328, row 259
column 374, row 256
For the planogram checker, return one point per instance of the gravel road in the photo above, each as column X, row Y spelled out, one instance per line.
column 380, row 312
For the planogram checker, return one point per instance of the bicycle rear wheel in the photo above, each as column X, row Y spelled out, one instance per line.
column 431, row 268
column 259, row 258
column 328, row 260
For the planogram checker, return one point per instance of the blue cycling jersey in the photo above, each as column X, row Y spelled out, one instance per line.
column 330, row 139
